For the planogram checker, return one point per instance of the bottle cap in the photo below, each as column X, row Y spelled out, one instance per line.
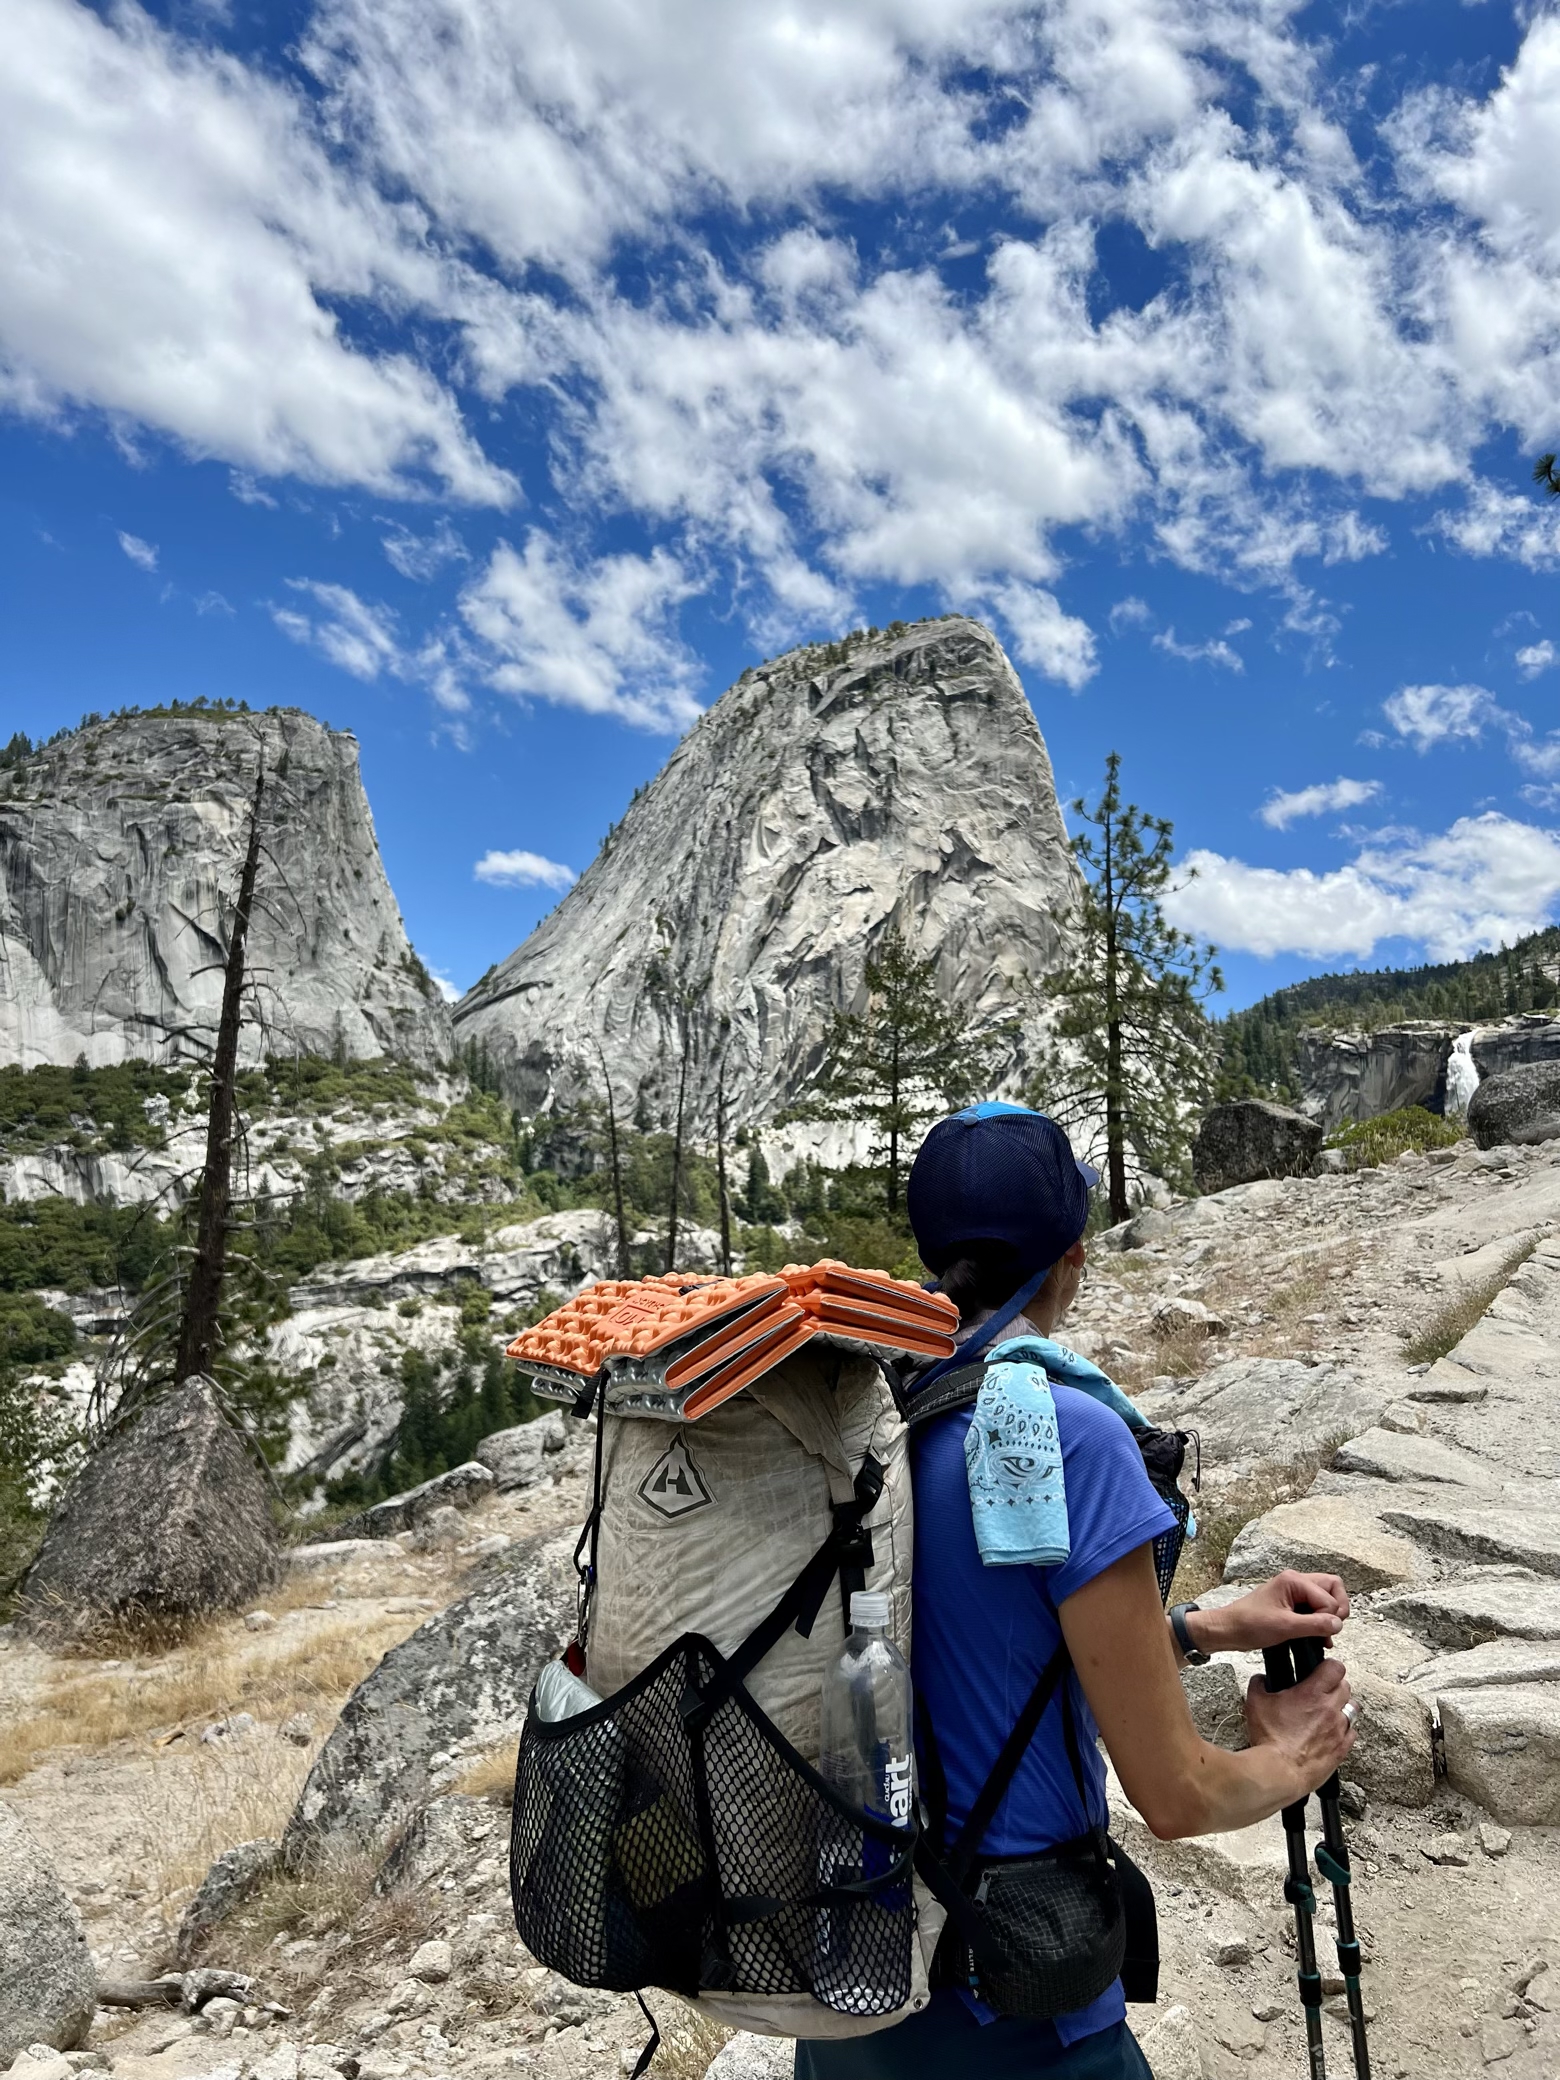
column 869, row 1610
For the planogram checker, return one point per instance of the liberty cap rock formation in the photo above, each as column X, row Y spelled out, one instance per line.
column 120, row 846
column 899, row 780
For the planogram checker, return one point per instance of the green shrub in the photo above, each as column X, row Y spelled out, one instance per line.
column 31, row 1333
column 1368, row 1142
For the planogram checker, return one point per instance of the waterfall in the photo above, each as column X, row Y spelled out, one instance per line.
column 1462, row 1074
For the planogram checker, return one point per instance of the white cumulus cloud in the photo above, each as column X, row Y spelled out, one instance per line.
column 1486, row 881
column 1534, row 658
column 1280, row 810
column 177, row 239
column 360, row 638
column 1431, row 715
column 142, row 553
column 1214, row 651
column 522, row 870
column 1059, row 644
column 596, row 636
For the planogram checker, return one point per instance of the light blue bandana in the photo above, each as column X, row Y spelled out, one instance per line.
column 1013, row 1456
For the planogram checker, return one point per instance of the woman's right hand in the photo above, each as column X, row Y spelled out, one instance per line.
column 1306, row 1723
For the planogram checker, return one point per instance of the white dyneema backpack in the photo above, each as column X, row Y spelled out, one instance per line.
column 677, row 1834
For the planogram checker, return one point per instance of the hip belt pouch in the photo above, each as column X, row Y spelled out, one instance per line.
column 1041, row 1936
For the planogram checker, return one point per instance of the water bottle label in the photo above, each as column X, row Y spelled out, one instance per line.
column 896, row 1783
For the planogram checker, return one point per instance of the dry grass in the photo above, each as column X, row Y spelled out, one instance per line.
column 187, row 1816
column 305, row 1668
column 335, row 1919
column 1223, row 1516
column 492, row 1775
column 1448, row 1326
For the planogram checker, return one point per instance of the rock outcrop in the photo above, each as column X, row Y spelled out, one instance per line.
column 48, row 1986
column 455, row 1689
column 1517, row 1105
column 1346, row 1077
column 1446, row 1532
column 816, row 804
column 168, row 1519
column 1251, row 1139
column 457, row 1489
column 120, row 846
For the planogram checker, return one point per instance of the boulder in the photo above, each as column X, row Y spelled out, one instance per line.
column 169, row 1519
column 1517, row 1105
column 48, row 1984
column 1248, row 1139
column 1455, row 1615
column 1217, row 1701
column 453, row 1690
column 1497, row 1662
column 1252, row 1411
column 449, row 1834
column 1499, row 1533
column 1322, row 1534
column 457, row 1489
column 515, row 1457
column 1170, row 2043
column 1503, row 1750
column 1400, row 1455
column 229, row 1882
column 1393, row 1758
column 745, row 2056
column 1179, row 1317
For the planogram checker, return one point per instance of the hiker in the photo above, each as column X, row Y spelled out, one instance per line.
column 998, row 1205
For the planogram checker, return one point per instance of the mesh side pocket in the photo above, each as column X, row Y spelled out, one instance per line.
column 701, row 1852
column 1058, row 1925
column 1167, row 1546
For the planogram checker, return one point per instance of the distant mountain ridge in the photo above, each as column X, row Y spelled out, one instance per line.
column 896, row 780
column 120, row 847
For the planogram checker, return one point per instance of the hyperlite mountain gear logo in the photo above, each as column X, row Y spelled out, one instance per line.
column 674, row 1485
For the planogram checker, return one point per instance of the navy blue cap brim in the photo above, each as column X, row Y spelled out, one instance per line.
column 1088, row 1173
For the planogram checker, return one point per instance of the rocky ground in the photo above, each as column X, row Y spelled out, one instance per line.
column 1371, row 1360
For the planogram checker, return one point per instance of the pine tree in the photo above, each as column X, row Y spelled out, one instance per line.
column 906, row 1058
column 1133, row 1045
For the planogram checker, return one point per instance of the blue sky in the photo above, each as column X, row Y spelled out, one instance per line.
column 498, row 378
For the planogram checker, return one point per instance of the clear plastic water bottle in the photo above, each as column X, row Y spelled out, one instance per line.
column 866, row 1754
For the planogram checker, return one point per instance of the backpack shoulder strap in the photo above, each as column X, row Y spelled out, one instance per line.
column 957, row 1389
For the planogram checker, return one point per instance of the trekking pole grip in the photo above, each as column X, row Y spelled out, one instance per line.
column 1309, row 1654
column 1278, row 1668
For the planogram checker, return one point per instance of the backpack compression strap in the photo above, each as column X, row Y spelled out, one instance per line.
column 848, row 1546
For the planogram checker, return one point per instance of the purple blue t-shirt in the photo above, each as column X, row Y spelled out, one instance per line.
column 982, row 1634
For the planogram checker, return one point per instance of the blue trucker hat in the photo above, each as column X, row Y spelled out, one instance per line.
column 998, row 1173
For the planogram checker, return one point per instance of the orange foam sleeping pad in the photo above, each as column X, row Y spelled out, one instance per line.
column 729, row 1331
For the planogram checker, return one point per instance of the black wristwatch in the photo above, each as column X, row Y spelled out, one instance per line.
column 1183, row 1638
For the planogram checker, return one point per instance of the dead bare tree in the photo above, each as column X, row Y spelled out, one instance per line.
column 720, row 1153
column 200, row 1329
column 615, row 1153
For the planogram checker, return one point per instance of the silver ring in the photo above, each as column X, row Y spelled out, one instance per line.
column 1351, row 1711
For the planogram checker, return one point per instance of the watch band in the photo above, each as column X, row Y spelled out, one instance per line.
column 1183, row 1638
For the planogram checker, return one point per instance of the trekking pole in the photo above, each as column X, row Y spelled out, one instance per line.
column 1332, row 1860
column 1280, row 1667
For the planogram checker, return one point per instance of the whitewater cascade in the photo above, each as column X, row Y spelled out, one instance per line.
column 1462, row 1074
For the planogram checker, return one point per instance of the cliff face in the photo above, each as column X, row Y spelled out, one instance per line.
column 816, row 805
column 120, row 849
